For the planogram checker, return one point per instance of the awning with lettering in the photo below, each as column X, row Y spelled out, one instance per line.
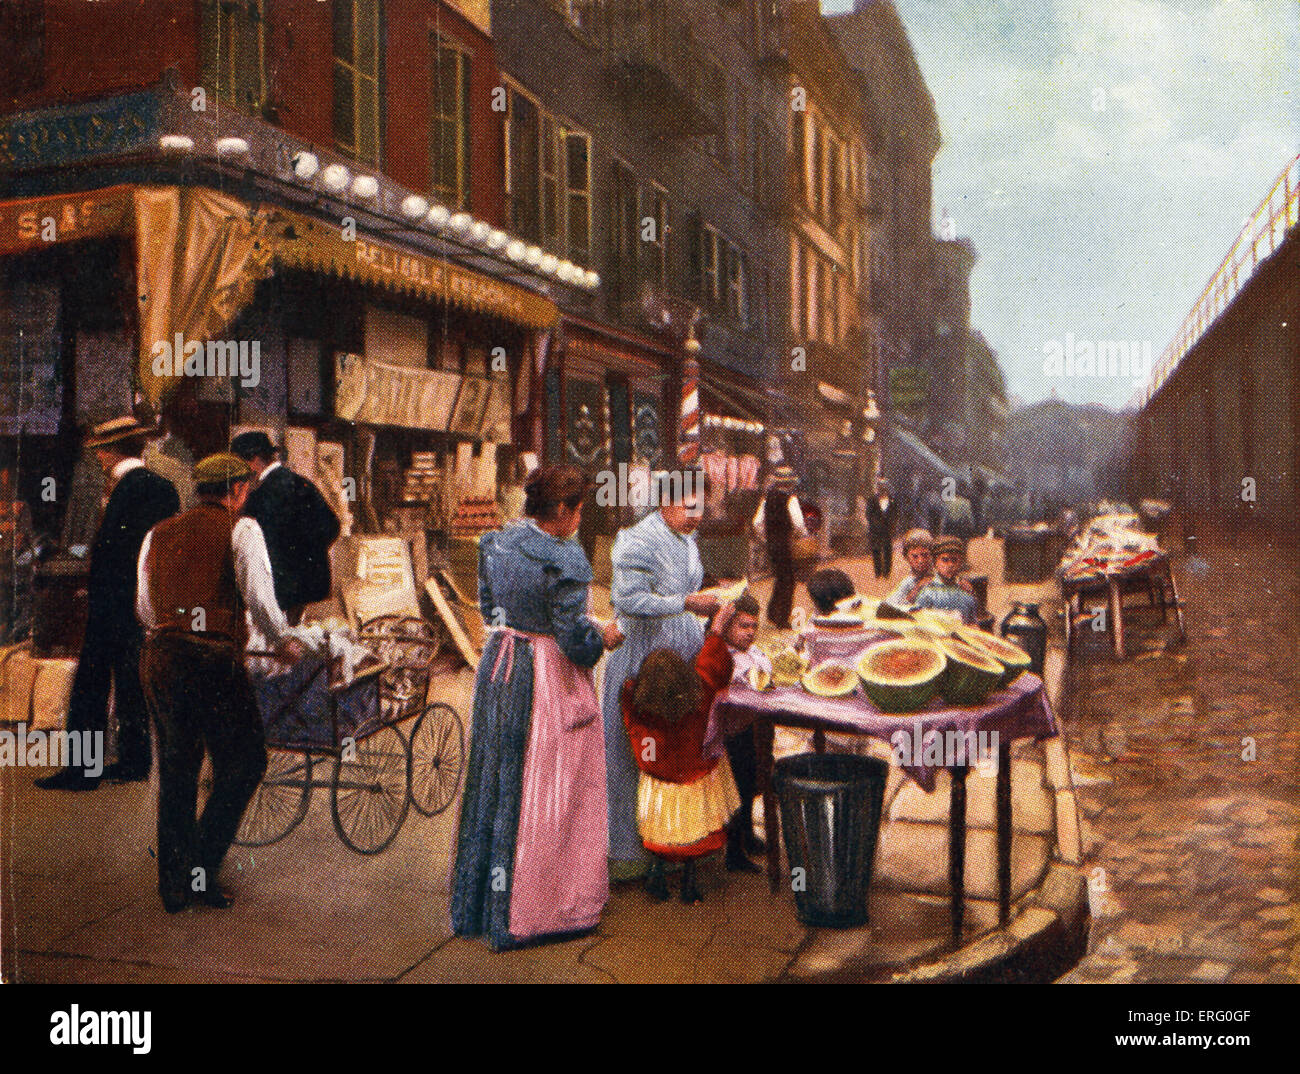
column 312, row 244
column 34, row 223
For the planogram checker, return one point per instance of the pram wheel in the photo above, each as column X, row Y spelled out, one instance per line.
column 280, row 801
column 371, row 790
column 437, row 758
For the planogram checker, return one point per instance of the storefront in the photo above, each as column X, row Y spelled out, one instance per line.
column 608, row 398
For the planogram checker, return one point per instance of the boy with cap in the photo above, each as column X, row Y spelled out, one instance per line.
column 917, row 550
column 198, row 574
column 945, row 592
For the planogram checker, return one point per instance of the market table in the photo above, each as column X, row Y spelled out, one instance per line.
column 1017, row 711
column 1154, row 577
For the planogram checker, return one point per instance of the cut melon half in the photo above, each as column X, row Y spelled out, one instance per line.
column 901, row 675
column 831, row 679
column 972, row 673
column 1013, row 659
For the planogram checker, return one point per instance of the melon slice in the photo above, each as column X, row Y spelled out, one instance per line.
column 1012, row 658
column 972, row 673
column 901, row 675
column 758, row 678
column 830, row 679
column 788, row 667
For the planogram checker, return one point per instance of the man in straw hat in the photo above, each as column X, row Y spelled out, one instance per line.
column 199, row 572
column 110, row 654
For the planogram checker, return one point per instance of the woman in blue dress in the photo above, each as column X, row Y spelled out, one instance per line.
column 531, row 852
column 656, row 577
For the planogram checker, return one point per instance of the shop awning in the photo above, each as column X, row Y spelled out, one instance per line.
column 922, row 454
column 302, row 242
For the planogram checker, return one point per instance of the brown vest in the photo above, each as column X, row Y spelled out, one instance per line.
column 191, row 565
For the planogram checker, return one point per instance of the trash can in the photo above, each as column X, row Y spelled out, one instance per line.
column 830, row 813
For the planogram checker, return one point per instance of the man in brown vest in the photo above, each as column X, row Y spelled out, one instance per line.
column 198, row 573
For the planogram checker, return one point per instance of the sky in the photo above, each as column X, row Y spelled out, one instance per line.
column 1102, row 155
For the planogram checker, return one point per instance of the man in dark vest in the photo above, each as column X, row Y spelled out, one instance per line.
column 110, row 653
column 198, row 574
column 778, row 521
column 297, row 522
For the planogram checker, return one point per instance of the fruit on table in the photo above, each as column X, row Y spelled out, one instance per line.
column 901, row 675
column 758, row 678
column 830, row 679
column 788, row 667
column 1013, row 659
column 972, row 674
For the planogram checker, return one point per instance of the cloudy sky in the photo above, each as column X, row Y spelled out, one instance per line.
column 1102, row 154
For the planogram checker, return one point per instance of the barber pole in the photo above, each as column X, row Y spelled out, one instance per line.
column 689, row 452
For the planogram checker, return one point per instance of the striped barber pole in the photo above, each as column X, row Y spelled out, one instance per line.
column 688, row 453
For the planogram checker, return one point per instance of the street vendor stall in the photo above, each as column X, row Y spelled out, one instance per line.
column 922, row 737
column 1111, row 559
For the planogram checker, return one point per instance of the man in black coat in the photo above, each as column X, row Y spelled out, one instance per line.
column 110, row 653
column 882, row 509
column 297, row 522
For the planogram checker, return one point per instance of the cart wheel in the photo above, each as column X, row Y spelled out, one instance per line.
column 371, row 791
column 437, row 758
column 280, row 801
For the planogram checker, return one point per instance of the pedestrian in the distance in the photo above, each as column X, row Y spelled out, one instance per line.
column 198, row 574
column 297, row 522
column 779, row 523
column 138, row 499
column 882, row 509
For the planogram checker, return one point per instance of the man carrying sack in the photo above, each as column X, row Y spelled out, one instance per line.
column 198, row 573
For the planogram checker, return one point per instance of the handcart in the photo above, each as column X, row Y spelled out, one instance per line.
column 311, row 714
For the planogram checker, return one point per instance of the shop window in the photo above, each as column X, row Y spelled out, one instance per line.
column 358, row 37
column 450, row 122
column 233, row 52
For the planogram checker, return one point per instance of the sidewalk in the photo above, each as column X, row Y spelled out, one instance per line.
column 77, row 899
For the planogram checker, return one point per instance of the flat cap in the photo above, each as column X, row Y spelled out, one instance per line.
column 220, row 469
column 253, row 445
column 948, row 544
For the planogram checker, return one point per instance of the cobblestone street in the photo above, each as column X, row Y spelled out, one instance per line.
column 1192, row 846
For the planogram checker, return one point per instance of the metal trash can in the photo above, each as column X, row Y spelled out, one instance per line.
column 830, row 813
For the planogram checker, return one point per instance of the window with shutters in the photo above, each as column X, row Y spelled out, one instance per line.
column 552, row 207
column 654, row 251
column 710, row 269
column 233, row 52
column 737, row 283
column 577, row 182
column 358, row 44
column 523, row 166
column 624, row 234
column 449, row 116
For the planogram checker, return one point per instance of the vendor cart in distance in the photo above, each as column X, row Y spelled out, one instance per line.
column 379, row 769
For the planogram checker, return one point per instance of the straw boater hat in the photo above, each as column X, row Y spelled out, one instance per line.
column 111, row 432
column 917, row 538
column 784, row 475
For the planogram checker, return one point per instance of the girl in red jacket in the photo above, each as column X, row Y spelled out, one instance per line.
column 684, row 800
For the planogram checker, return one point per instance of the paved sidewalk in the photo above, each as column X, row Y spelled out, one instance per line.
column 1194, row 869
column 77, row 898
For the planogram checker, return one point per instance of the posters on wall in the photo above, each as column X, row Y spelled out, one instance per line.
column 31, row 387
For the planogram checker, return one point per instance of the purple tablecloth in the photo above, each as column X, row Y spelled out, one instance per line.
column 1018, row 711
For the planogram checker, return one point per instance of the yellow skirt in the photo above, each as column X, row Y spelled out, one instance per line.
column 680, row 814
